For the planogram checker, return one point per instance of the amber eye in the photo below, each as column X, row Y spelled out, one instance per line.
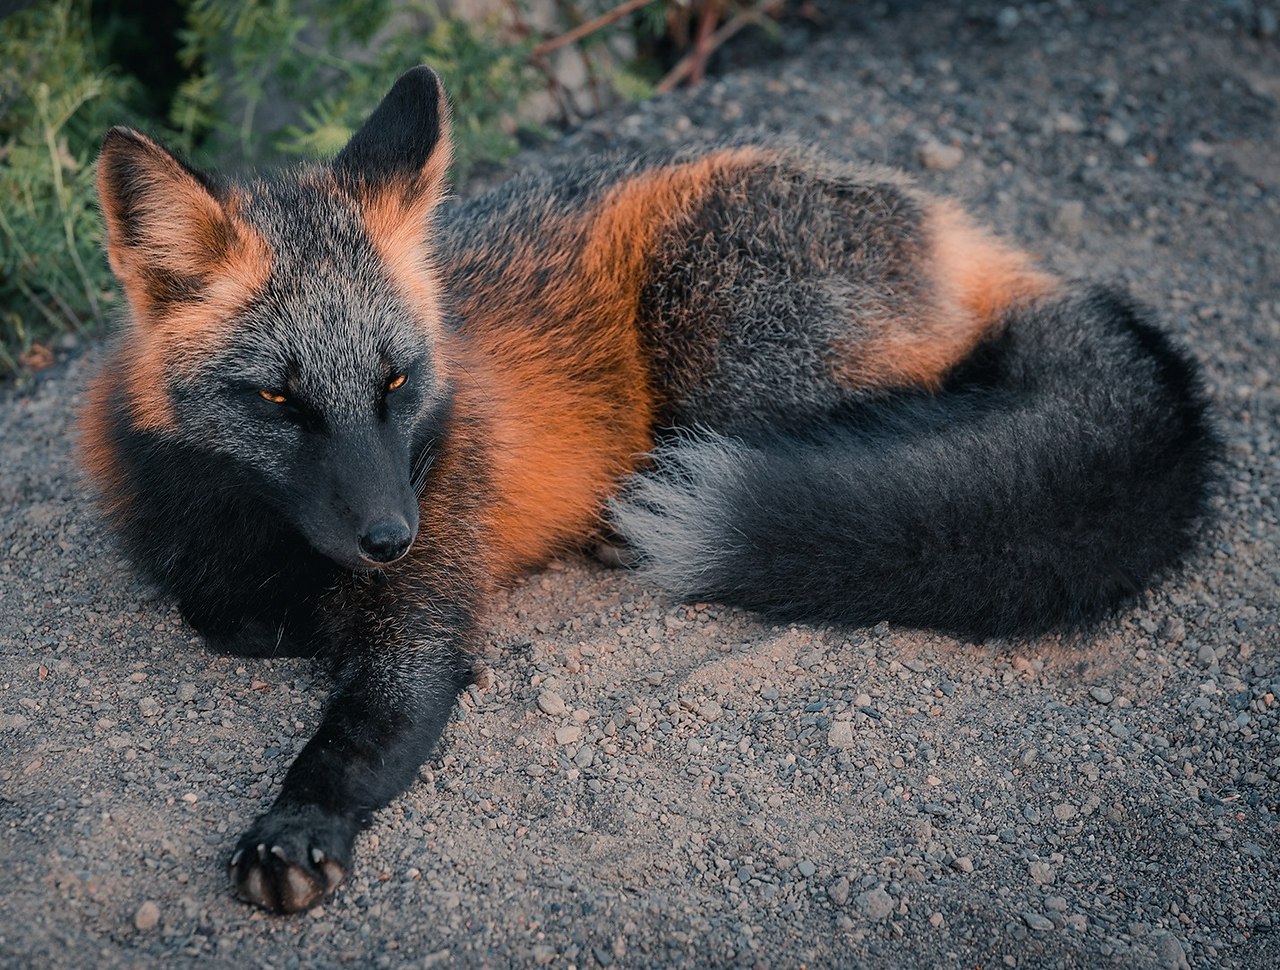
column 273, row 397
column 397, row 382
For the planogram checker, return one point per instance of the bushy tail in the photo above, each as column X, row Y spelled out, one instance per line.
column 1063, row 469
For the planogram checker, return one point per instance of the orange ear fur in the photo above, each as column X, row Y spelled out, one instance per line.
column 394, row 168
column 396, row 218
column 186, row 260
column 168, row 237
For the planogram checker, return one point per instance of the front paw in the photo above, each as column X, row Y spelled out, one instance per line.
column 292, row 858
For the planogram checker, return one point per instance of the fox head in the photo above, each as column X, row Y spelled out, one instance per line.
column 291, row 325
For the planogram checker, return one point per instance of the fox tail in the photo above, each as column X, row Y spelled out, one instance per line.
column 1064, row 467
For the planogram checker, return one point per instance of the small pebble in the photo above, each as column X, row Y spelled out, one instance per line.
column 1067, row 124
column 876, row 903
column 1065, row 811
column 147, row 916
column 1117, row 134
column 1169, row 951
column 938, row 157
column 839, row 891
column 1007, row 20
column 551, row 703
column 841, row 734
column 1041, row 924
column 1042, row 874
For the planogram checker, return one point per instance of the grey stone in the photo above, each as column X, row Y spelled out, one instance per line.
column 1041, row 924
column 839, row 891
column 876, row 903
column 1102, row 695
column 841, row 734
column 147, row 917
column 551, row 703
column 1169, row 951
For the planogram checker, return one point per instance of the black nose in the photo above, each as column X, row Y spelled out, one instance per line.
column 387, row 540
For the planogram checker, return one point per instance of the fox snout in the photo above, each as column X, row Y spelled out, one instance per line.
column 355, row 502
column 386, row 540
column 358, row 530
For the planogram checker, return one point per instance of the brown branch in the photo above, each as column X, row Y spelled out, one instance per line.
column 696, row 59
column 702, row 43
column 590, row 27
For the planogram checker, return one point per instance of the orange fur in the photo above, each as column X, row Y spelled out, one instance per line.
column 569, row 410
column 97, row 454
column 979, row 272
column 183, row 336
column 621, row 237
column 557, row 440
column 396, row 218
column 974, row 277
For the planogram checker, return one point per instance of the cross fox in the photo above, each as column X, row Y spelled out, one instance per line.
column 343, row 408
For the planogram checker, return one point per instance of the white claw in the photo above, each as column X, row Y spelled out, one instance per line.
column 317, row 856
column 279, row 853
column 262, row 851
column 235, row 859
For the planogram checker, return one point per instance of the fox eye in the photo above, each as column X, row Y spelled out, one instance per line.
column 273, row 397
column 397, row 382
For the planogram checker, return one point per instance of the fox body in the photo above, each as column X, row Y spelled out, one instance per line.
column 343, row 410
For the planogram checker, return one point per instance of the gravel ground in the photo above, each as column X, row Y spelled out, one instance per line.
column 643, row 783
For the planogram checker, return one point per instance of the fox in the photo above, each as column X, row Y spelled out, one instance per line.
column 343, row 408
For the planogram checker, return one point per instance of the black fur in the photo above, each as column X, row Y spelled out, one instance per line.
column 395, row 142
column 735, row 348
column 1062, row 470
column 240, row 575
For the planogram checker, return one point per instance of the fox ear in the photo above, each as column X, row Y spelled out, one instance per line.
column 169, row 229
column 396, row 163
column 394, row 168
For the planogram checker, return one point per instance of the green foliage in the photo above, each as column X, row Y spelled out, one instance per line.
column 56, row 101
column 335, row 59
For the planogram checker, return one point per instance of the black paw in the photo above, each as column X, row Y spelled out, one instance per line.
column 292, row 858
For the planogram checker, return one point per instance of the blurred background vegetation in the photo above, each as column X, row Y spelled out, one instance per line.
column 251, row 82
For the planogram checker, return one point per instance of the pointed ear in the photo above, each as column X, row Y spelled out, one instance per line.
column 170, row 232
column 395, row 164
column 394, row 168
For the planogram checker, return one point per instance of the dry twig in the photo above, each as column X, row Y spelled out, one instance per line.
column 590, row 27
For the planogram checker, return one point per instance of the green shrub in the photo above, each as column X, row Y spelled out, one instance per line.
column 56, row 101
column 332, row 60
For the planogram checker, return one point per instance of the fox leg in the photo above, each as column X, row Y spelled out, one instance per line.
column 401, row 662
